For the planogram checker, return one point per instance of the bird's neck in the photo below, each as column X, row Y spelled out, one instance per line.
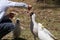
column 33, row 19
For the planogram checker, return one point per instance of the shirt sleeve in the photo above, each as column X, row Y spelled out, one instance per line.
column 19, row 4
column 1, row 15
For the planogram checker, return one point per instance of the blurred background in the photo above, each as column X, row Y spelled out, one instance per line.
column 47, row 12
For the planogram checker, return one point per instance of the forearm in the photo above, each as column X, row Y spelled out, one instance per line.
column 21, row 4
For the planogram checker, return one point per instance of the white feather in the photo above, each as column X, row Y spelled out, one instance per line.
column 33, row 26
column 39, row 30
column 43, row 33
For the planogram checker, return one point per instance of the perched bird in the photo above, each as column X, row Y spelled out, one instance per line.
column 33, row 25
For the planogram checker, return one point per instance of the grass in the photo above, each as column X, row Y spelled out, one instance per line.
column 49, row 17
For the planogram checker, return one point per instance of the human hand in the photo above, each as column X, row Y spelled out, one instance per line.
column 29, row 7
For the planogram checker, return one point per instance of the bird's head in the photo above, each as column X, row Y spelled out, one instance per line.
column 32, row 14
column 17, row 20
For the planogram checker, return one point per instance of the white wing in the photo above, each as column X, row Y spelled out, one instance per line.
column 47, row 31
